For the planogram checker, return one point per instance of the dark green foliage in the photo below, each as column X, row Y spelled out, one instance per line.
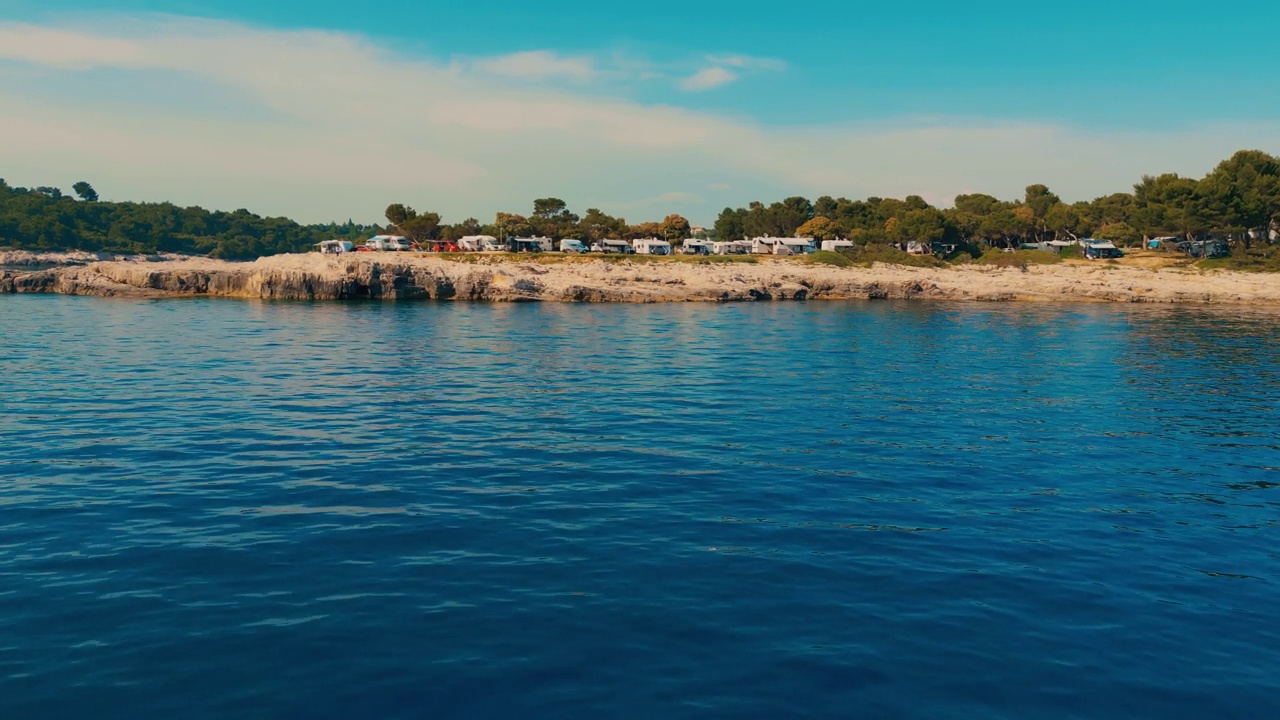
column 45, row 219
column 827, row 257
column 85, row 191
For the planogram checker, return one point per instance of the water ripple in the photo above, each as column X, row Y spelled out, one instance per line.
column 217, row 509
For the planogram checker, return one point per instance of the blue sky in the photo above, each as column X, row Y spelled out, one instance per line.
column 840, row 98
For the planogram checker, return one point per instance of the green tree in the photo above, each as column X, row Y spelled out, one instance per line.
column 673, row 228
column 820, row 228
column 548, row 207
column 398, row 214
column 1120, row 233
column 423, row 226
column 1063, row 220
column 598, row 225
column 85, row 191
column 731, row 224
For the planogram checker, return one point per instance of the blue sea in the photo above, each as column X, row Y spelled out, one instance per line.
column 226, row 509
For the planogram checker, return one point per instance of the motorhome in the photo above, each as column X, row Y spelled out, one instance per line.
column 766, row 245
column 694, row 246
column 1101, row 249
column 335, row 247
column 652, row 246
column 616, row 246
column 800, row 245
column 572, row 246
column 478, row 243
column 1205, row 249
column 524, row 245
column 782, row 246
column 838, row 245
column 387, row 242
column 730, row 247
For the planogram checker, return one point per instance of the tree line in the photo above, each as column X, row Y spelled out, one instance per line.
column 550, row 218
column 1238, row 200
column 43, row 218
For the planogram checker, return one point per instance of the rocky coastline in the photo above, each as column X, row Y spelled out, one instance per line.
column 404, row 277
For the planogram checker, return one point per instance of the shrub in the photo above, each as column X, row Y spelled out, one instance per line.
column 827, row 257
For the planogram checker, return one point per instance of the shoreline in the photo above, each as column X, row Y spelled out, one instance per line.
column 555, row 278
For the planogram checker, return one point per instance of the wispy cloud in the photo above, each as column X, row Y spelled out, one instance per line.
column 538, row 65
column 747, row 62
column 322, row 126
column 724, row 69
column 708, row 78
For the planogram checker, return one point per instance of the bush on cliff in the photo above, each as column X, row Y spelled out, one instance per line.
column 827, row 257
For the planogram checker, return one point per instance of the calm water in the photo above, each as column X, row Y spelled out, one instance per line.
column 251, row 510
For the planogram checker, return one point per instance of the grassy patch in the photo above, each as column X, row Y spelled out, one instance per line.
column 868, row 255
column 1020, row 259
column 827, row 257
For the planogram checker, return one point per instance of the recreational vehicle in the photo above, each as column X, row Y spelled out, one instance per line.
column 572, row 246
column 1212, row 248
column 837, row 245
column 387, row 242
column 782, row 246
column 730, row 247
column 335, row 247
column 478, row 243
column 766, row 246
column 1101, row 249
column 524, row 245
column 616, row 246
column 800, row 245
column 694, row 246
column 652, row 246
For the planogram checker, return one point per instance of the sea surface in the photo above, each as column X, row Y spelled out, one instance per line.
column 227, row 509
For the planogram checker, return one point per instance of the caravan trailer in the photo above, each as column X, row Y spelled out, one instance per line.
column 1100, row 249
column 652, row 246
column 524, row 245
column 838, row 245
column 616, row 246
column 730, row 247
column 782, row 246
column 478, row 243
column 335, row 247
column 799, row 245
column 386, row 242
column 766, row 246
column 694, row 246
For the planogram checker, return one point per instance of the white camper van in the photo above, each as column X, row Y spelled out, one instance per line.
column 335, row 247
column 782, row 246
column 616, row 246
column 694, row 246
column 478, row 243
column 572, row 246
column 730, row 247
column 651, row 246
column 387, row 242
column 837, row 245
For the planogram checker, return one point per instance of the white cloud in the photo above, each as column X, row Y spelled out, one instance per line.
column 708, row 78
column 538, row 65
column 747, row 62
column 324, row 126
